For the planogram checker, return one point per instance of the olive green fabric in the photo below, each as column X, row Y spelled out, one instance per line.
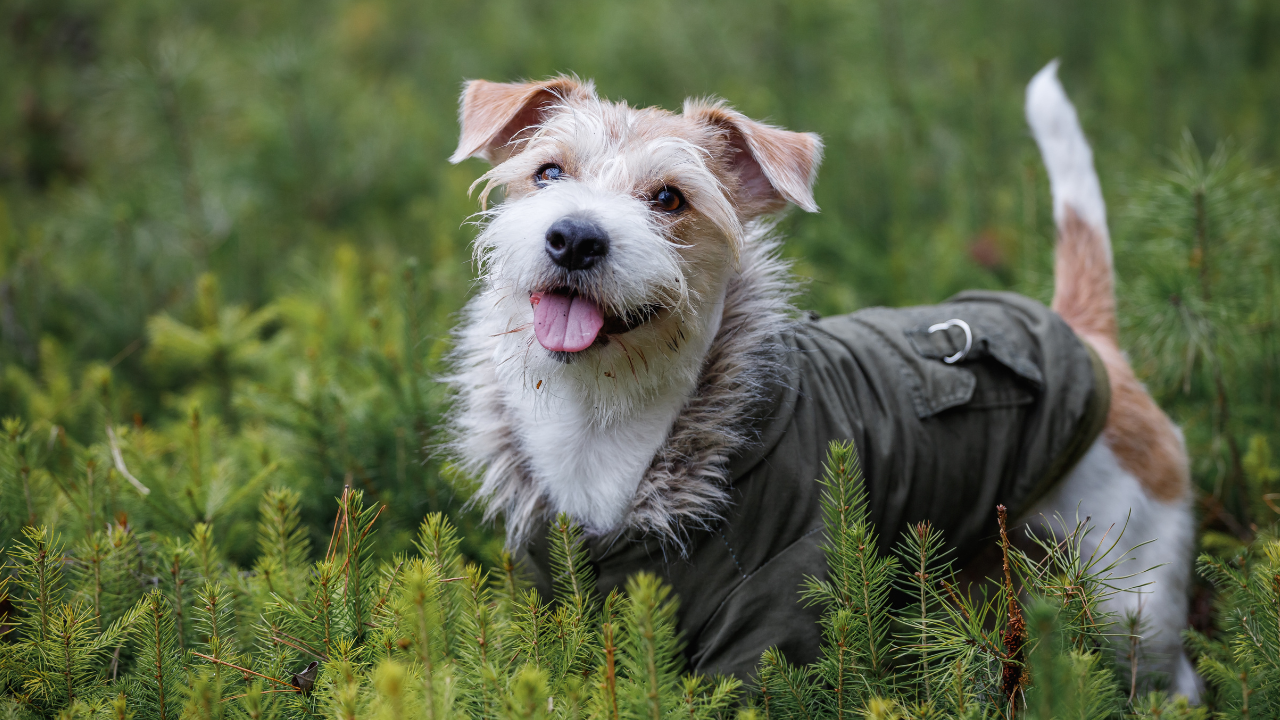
column 939, row 442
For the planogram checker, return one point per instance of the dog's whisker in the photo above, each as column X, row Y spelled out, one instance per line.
column 522, row 328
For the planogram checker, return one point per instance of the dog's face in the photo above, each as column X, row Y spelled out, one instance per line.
column 604, row 268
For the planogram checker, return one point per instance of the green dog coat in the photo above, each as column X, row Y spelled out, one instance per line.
column 986, row 399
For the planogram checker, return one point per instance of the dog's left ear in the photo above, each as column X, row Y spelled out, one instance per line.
column 772, row 165
column 496, row 116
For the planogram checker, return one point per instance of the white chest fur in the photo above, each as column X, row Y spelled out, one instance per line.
column 590, row 469
column 589, row 466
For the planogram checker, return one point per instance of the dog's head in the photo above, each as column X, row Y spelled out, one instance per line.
column 605, row 266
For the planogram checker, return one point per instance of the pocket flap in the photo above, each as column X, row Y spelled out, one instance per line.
column 988, row 341
column 941, row 387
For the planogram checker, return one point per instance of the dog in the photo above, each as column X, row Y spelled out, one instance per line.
column 632, row 359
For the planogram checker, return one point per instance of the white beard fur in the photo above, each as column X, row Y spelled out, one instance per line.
column 658, row 466
column 590, row 466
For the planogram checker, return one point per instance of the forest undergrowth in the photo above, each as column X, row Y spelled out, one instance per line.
column 116, row 625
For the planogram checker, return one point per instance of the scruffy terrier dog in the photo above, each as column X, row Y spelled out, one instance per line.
column 631, row 358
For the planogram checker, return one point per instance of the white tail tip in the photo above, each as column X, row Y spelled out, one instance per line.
column 1066, row 152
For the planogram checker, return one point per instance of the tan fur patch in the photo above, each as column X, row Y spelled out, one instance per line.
column 1137, row 431
column 1084, row 286
column 773, row 165
column 494, row 114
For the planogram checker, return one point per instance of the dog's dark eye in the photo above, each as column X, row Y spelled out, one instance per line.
column 547, row 173
column 668, row 199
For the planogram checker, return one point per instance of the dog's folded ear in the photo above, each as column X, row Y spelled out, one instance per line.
column 495, row 117
column 772, row 165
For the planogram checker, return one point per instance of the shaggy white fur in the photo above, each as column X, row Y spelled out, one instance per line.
column 1066, row 152
column 632, row 432
column 1151, row 543
column 662, row 473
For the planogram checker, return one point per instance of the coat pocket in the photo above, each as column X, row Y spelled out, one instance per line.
column 975, row 341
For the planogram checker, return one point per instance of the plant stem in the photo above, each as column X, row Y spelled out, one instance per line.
column 424, row 656
column 922, row 534
column 1015, row 634
column 610, row 672
column 233, row 666
column 155, row 618
column 176, row 571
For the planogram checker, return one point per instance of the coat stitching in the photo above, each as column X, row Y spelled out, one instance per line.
column 747, row 578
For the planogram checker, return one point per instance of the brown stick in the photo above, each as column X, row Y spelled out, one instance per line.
column 264, row 692
column 955, row 598
column 1015, row 634
column 367, row 528
column 299, row 647
column 338, row 522
column 247, row 670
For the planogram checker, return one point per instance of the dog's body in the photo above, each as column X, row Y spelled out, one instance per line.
column 632, row 320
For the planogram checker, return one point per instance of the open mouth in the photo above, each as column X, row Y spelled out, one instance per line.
column 565, row 321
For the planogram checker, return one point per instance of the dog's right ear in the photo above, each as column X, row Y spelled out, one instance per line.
column 495, row 117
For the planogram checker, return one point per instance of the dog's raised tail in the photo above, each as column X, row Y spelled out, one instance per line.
column 1084, row 281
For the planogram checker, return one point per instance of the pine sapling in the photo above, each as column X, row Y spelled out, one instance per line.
column 214, row 624
column 922, row 552
column 206, row 557
column 790, row 692
column 358, row 570
column 529, row 629
column 176, row 574
column 575, row 635
column 391, row 678
column 858, row 582
column 283, row 544
column 650, row 656
column 611, row 633
column 528, row 699
column 438, row 542
column 154, row 685
column 38, row 563
column 420, row 606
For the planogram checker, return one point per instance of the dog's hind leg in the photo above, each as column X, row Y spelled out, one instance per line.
column 1152, row 578
column 1137, row 470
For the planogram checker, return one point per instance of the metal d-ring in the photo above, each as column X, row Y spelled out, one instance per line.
column 968, row 338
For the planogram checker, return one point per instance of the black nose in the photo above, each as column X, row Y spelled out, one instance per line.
column 576, row 243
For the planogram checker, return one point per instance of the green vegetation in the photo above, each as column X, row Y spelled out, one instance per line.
column 427, row 634
column 231, row 248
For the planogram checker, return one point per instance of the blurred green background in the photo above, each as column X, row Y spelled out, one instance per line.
column 228, row 230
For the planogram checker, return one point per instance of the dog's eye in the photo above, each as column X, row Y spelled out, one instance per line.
column 547, row 173
column 668, row 199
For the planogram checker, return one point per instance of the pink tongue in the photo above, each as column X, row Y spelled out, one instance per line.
column 565, row 323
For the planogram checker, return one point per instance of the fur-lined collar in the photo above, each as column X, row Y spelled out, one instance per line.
column 686, row 483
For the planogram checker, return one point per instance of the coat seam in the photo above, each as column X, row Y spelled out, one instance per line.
column 733, row 555
column 747, row 578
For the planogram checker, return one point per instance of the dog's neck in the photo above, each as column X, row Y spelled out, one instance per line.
column 589, row 466
column 657, row 468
